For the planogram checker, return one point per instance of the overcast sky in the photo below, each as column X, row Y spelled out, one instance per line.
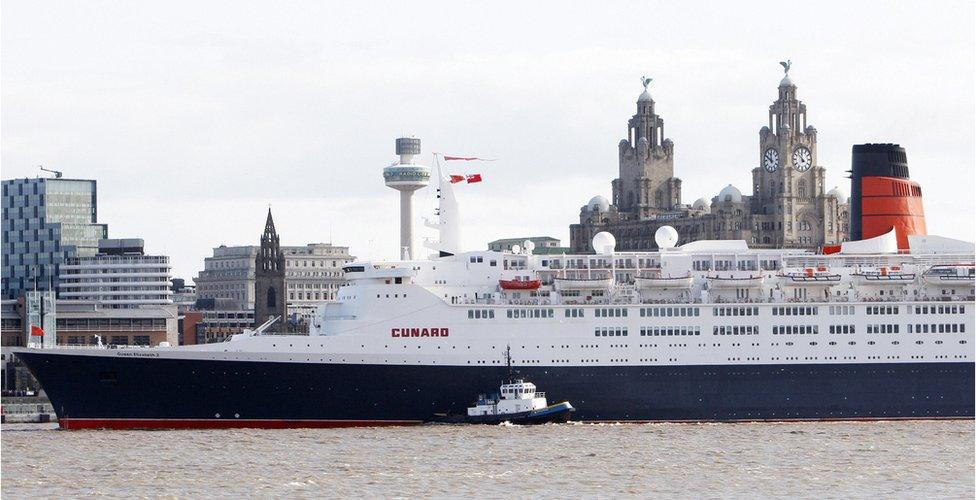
column 195, row 116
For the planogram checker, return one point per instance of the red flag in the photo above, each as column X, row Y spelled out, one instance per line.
column 474, row 178
column 37, row 331
column 456, row 179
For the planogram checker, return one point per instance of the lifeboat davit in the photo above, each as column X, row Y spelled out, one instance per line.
column 519, row 284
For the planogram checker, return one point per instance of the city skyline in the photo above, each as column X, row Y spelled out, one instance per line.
column 192, row 127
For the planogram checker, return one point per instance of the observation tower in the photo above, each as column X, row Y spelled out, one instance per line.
column 406, row 176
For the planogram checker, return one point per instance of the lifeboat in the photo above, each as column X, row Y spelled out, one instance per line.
column 883, row 277
column 518, row 284
column 646, row 282
column 810, row 277
column 583, row 283
column 732, row 281
column 957, row 274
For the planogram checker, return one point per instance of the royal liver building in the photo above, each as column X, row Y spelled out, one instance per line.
column 788, row 207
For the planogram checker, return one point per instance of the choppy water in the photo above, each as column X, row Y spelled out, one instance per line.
column 891, row 459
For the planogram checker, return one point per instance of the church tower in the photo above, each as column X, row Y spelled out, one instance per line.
column 269, row 279
column 646, row 185
column 788, row 184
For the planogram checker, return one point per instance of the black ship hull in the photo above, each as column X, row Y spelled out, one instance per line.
column 126, row 392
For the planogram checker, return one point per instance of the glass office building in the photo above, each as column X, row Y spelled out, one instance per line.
column 45, row 221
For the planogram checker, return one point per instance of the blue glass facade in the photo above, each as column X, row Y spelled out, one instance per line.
column 44, row 222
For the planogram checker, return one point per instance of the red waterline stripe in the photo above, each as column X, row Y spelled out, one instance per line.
column 192, row 423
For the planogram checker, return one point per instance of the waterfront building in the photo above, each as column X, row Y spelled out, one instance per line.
column 79, row 322
column 227, row 278
column 189, row 326
column 542, row 244
column 789, row 208
column 312, row 274
column 184, row 296
column 216, row 326
column 119, row 276
column 45, row 221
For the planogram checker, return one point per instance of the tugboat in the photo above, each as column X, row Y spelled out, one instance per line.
column 517, row 402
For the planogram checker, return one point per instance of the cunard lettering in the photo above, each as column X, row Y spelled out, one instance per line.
column 419, row 332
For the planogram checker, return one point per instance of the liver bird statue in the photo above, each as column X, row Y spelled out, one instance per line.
column 646, row 81
column 786, row 65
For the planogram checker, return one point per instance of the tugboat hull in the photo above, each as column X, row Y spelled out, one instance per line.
column 552, row 414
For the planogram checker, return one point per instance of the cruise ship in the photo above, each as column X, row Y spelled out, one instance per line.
column 701, row 331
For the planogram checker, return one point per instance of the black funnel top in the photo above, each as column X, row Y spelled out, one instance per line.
column 879, row 160
column 873, row 160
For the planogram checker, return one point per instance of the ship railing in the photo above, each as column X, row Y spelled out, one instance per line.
column 636, row 300
column 104, row 346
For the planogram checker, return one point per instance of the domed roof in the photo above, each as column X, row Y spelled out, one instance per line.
column 786, row 82
column 598, row 204
column 645, row 96
column 836, row 193
column 730, row 193
column 700, row 204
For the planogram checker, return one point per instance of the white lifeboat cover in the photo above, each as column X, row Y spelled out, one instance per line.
column 885, row 243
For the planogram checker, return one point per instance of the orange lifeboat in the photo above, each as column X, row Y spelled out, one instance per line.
column 519, row 284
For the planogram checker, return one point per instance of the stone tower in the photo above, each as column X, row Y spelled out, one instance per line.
column 788, row 184
column 646, row 185
column 269, row 280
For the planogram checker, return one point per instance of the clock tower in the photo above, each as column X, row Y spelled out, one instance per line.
column 788, row 183
column 646, row 185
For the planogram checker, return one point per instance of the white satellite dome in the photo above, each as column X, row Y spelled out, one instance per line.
column 730, row 193
column 604, row 243
column 666, row 237
column 700, row 204
column 598, row 204
column 836, row 193
column 528, row 245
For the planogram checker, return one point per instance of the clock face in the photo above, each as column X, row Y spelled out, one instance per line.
column 802, row 159
column 771, row 160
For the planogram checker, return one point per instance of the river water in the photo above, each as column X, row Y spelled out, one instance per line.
column 890, row 459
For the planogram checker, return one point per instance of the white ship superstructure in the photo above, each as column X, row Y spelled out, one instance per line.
column 705, row 303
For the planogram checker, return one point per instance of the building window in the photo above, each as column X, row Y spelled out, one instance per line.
column 272, row 297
